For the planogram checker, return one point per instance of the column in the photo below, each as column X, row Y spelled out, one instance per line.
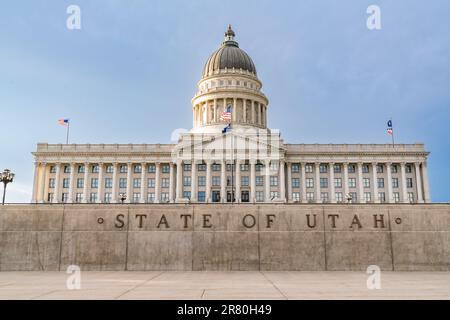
column 303, row 181
column 57, row 183
column 289, row 181
column 234, row 113
column 360, row 183
column 317, row 181
column 253, row 112
column 426, row 187
column 41, row 197
column 179, row 185
column 403, row 186
column 194, row 179
column 223, row 181
column 389, row 195
column 216, row 118
column 244, row 109
column 267, row 180
column 346, row 190
column 85, row 182
column 208, row 181
column 100, row 183
column 282, row 182
column 252, row 180
column 264, row 110
column 158, row 182
column 259, row 113
column 143, row 183
column 114, row 183
column 71, row 182
column 418, row 182
column 375, row 183
column 207, row 114
column 171, row 182
column 238, row 181
column 331, row 183
column 129, row 182
column 35, row 181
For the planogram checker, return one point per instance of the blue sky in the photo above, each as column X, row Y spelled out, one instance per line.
column 129, row 74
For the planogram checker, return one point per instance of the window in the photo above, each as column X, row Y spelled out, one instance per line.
column 80, row 183
column 295, row 183
column 273, row 195
column 337, row 182
column 228, row 181
column 396, row 196
column 259, row 181
column 201, row 167
column 228, row 167
column 93, row 197
column 81, row 168
column 353, row 196
column 109, row 169
column 296, row 196
column 352, row 182
column 52, row 169
column 136, row 197
column 51, row 182
column 244, row 167
column 366, row 182
column 187, row 167
column 50, row 197
column 310, row 196
column 215, row 181
column 337, row 168
column 367, row 197
column 150, row 197
column 187, row 194
column 394, row 168
column 78, row 197
column 187, row 181
column 151, row 182
column 258, row 167
column 151, row 169
column 95, row 168
column 108, row 197
column 409, row 182
column 295, row 168
column 137, row 168
column 323, row 168
column 66, row 169
column 165, row 196
column 64, row 197
column 215, row 167
column 394, row 182
column 339, row 197
column 136, row 183
column 122, row 182
column 165, row 169
column 273, row 166
column 94, row 183
column 410, row 197
column 408, row 168
column 351, row 168
column 259, row 196
column 165, row 182
column 201, row 196
column 309, row 182
column 380, row 183
column 380, row 168
column 308, row 168
column 202, row 181
column 245, row 181
column 108, row 183
column 323, row 182
column 273, row 181
column 324, row 197
column 66, row 182
column 123, row 168
column 382, row 197
column 365, row 168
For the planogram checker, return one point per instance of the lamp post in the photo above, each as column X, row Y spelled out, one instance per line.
column 6, row 177
column 123, row 197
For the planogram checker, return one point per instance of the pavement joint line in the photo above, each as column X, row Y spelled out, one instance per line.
column 139, row 285
column 273, row 284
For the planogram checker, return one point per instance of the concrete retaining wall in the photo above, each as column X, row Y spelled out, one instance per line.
column 225, row 237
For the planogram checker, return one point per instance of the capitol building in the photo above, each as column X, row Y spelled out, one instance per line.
column 239, row 160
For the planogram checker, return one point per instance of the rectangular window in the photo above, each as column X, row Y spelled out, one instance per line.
column 410, row 197
column 324, row 197
column 186, row 194
column 122, row 183
column 202, row 181
column 382, row 197
column 215, row 181
column 258, row 167
column 201, row 167
column 187, row 181
column 259, row 196
column 66, row 169
column 136, row 197
column 94, row 183
column 259, row 181
column 165, row 169
column 366, row 182
column 150, row 197
column 165, row 183
column 187, row 167
column 380, row 168
column 95, row 168
column 66, row 182
column 93, row 197
column 351, row 168
column 380, row 183
column 151, row 169
column 78, row 197
column 367, row 197
column 108, row 183
column 136, row 183
column 295, row 168
column 354, row 197
column 337, row 182
column 273, row 166
column 137, row 168
column 324, row 182
column 108, row 197
column 273, row 181
column 123, row 168
column 201, row 196
column 296, row 196
column 394, row 182
column 52, row 169
column 394, row 168
column 80, row 183
column 244, row 167
column 323, row 168
column 151, row 182
column 245, row 181
column 352, row 182
column 308, row 168
column 309, row 182
column 50, row 197
column 396, row 197
column 409, row 182
column 51, row 182
column 337, row 168
column 408, row 168
column 109, row 169
column 310, row 196
column 339, row 197
column 164, row 197
column 273, row 194
column 81, row 168
column 295, row 182
column 215, row 167
column 65, row 197
column 365, row 168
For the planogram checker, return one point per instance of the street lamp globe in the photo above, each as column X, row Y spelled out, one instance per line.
column 6, row 177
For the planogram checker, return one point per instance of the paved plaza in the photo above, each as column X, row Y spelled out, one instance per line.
column 224, row 285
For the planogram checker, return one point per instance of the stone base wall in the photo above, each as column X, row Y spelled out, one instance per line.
column 225, row 237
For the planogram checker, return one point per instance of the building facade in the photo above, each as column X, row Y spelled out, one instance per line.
column 248, row 162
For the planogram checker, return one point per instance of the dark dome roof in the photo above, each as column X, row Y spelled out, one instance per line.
column 229, row 56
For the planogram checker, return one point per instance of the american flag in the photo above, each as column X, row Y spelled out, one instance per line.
column 63, row 122
column 226, row 114
column 390, row 129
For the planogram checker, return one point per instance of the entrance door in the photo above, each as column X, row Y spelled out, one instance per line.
column 216, row 196
column 245, row 197
column 229, row 197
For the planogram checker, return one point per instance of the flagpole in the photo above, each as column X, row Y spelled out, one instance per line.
column 67, row 134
